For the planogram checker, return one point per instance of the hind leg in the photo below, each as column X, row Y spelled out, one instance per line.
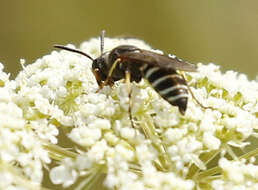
column 196, row 100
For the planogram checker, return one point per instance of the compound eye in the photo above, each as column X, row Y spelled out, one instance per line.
column 98, row 63
column 95, row 64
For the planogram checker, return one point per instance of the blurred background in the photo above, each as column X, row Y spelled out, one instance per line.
column 219, row 31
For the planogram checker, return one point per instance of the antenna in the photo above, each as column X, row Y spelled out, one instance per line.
column 102, row 41
column 73, row 50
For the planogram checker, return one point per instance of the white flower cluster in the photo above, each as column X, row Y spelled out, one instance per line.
column 21, row 151
column 54, row 102
column 237, row 175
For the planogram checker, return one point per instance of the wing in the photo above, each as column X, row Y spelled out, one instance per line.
column 163, row 61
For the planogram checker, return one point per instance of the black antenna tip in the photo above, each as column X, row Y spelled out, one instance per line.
column 58, row 46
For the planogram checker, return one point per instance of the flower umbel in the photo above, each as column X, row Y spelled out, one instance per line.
column 52, row 112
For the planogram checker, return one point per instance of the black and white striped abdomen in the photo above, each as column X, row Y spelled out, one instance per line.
column 169, row 85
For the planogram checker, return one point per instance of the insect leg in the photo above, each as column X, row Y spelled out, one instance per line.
column 108, row 80
column 129, row 90
column 192, row 94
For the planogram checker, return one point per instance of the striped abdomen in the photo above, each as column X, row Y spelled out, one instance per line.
column 169, row 85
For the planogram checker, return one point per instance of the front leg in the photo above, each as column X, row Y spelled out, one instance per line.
column 102, row 84
column 109, row 80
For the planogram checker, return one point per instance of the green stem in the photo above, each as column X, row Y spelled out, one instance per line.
column 58, row 153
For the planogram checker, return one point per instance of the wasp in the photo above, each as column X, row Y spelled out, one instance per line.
column 132, row 64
